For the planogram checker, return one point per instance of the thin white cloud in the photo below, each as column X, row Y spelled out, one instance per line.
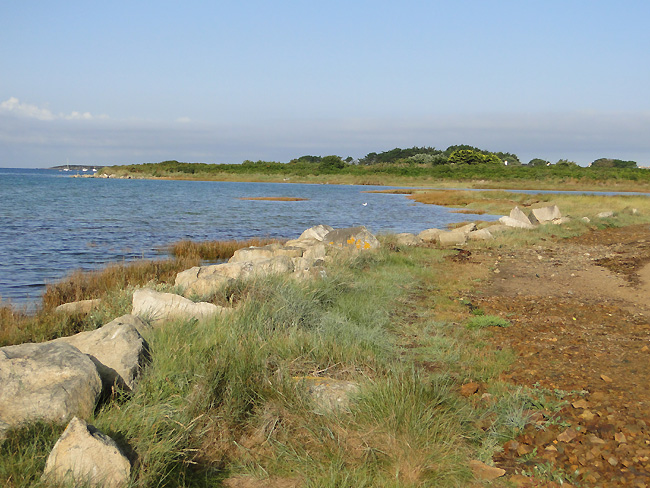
column 183, row 120
column 13, row 106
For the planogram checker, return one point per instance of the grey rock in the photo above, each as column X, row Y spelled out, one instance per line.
column 160, row 307
column 117, row 349
column 48, row 381
column 605, row 215
column 83, row 456
column 82, row 306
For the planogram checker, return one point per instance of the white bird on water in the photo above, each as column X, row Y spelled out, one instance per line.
column 365, row 204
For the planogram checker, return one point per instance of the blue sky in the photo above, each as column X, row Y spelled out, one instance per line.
column 130, row 82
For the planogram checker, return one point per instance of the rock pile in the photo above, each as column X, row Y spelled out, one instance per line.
column 540, row 215
column 63, row 380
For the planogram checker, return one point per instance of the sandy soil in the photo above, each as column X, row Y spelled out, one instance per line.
column 580, row 310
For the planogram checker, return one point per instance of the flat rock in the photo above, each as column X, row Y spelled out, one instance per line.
column 351, row 238
column 328, row 394
column 117, row 349
column 84, row 456
column 159, row 307
column 484, row 472
column 48, row 381
column 605, row 215
column 82, row 306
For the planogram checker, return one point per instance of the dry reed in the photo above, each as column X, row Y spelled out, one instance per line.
column 214, row 250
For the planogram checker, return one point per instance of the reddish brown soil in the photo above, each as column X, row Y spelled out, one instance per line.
column 580, row 310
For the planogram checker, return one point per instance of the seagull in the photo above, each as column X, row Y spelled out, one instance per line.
column 365, row 204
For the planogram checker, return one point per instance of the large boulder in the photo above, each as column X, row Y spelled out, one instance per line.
column 317, row 232
column 452, row 238
column 351, row 238
column 83, row 456
column 160, row 307
column 117, row 349
column 49, row 381
column 547, row 213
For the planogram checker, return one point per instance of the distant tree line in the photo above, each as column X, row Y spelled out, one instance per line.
column 455, row 162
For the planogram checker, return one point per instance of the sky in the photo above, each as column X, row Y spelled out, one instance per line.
column 220, row 82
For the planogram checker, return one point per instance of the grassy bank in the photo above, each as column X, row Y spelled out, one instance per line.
column 220, row 399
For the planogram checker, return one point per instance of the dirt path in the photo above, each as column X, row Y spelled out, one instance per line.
column 580, row 310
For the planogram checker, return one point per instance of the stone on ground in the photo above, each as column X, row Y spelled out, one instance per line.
column 83, row 456
column 159, row 307
column 327, row 393
column 48, row 381
column 117, row 349
column 605, row 215
column 546, row 213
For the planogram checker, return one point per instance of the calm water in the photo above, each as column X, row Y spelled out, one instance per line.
column 51, row 224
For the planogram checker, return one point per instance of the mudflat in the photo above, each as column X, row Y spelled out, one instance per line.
column 580, row 313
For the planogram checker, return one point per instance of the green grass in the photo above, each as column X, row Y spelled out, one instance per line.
column 483, row 321
column 219, row 397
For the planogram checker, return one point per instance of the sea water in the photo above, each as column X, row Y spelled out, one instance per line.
column 52, row 224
